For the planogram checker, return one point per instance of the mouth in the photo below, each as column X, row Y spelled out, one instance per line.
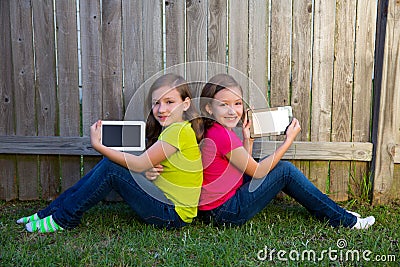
column 231, row 118
column 162, row 118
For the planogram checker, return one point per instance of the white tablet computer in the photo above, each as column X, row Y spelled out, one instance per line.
column 270, row 121
column 123, row 135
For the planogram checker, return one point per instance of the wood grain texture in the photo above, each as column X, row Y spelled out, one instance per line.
column 81, row 146
column 363, row 87
column 217, row 37
column 301, row 72
column 342, row 93
column 8, row 181
column 322, row 79
column 92, row 82
column 258, row 53
column 24, row 89
column 388, row 131
column 46, row 93
column 175, row 35
column 281, row 30
column 68, row 86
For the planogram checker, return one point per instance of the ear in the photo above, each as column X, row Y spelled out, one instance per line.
column 186, row 103
column 208, row 109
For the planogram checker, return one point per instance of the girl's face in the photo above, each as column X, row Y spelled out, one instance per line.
column 227, row 107
column 168, row 106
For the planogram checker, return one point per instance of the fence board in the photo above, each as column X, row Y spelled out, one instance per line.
column 111, row 61
column 152, row 37
column 322, row 75
column 258, row 53
column 92, row 83
column 388, row 132
column 217, row 37
column 81, row 146
column 46, row 98
column 238, row 53
column 342, row 93
column 301, row 71
column 8, row 183
column 23, row 74
column 196, row 43
column 175, row 34
column 362, row 93
column 281, row 29
column 133, row 57
column 68, row 86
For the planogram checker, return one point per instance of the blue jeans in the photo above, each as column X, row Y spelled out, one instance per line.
column 255, row 194
column 145, row 199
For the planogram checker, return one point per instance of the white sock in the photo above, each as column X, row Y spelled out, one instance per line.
column 364, row 223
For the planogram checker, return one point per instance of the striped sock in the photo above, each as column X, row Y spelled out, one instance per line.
column 46, row 225
column 28, row 219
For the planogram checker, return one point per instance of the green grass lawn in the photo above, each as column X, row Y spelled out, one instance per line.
column 110, row 236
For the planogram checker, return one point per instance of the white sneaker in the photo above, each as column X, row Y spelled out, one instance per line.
column 353, row 213
column 364, row 223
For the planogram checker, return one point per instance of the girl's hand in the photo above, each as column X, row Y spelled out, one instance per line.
column 154, row 172
column 246, row 127
column 293, row 130
column 95, row 134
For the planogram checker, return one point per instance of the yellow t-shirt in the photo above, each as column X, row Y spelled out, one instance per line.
column 182, row 176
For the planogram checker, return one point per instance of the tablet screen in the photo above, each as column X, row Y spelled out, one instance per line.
column 127, row 136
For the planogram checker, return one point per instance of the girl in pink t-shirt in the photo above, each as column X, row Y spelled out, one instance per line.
column 235, row 186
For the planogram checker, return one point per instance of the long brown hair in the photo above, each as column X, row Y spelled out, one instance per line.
column 153, row 127
column 213, row 86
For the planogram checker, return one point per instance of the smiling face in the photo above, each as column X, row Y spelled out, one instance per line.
column 227, row 107
column 168, row 106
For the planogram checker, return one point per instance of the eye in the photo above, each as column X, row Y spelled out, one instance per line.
column 170, row 102
column 239, row 103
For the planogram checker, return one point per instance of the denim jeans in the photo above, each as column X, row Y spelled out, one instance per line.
column 255, row 194
column 145, row 199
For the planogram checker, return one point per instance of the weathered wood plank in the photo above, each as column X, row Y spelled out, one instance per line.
column 133, row 49
column 24, row 89
column 46, row 93
column 92, row 82
column 388, row 131
column 301, row 71
column 342, row 93
column 152, row 37
column 113, row 104
column 196, row 44
column 111, row 38
column 322, row 77
column 281, row 30
column 258, row 53
column 175, row 35
column 362, row 92
column 68, row 86
column 217, row 37
column 319, row 150
column 8, row 183
column 238, row 48
column 81, row 146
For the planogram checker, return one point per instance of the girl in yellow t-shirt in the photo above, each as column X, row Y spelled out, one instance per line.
column 170, row 199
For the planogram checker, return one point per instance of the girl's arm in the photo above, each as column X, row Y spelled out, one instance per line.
column 245, row 162
column 158, row 152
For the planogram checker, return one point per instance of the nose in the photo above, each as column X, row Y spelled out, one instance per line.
column 162, row 108
column 231, row 110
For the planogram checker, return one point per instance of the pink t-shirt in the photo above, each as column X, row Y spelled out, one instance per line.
column 220, row 178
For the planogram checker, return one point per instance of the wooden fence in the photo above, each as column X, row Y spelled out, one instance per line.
column 334, row 61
